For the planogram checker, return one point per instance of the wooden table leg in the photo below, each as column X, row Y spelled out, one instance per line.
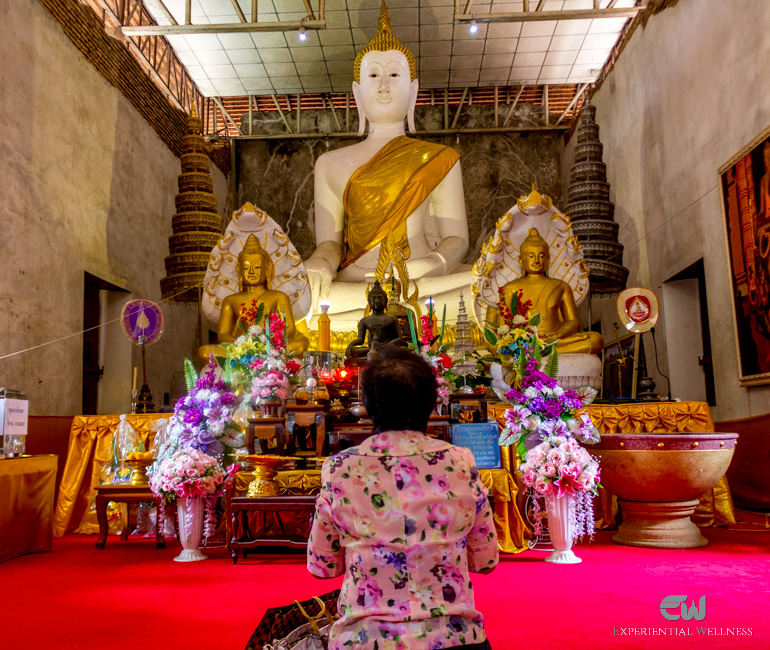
column 101, row 517
column 124, row 532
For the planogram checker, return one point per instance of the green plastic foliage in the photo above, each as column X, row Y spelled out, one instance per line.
column 190, row 375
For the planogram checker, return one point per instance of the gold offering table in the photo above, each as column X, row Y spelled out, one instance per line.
column 716, row 505
column 27, row 486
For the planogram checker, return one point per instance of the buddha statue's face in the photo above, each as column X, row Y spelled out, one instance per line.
column 386, row 92
column 534, row 259
column 253, row 269
column 377, row 301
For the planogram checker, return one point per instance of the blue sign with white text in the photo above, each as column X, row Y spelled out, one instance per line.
column 481, row 439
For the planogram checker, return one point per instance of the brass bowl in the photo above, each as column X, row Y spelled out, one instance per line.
column 658, row 478
column 139, row 468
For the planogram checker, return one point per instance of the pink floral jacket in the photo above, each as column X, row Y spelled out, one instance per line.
column 409, row 518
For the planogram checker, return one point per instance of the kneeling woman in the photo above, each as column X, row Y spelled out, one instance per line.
column 405, row 518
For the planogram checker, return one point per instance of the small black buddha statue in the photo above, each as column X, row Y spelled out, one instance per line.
column 380, row 327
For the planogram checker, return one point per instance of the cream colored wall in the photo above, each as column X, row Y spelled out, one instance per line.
column 686, row 94
column 87, row 186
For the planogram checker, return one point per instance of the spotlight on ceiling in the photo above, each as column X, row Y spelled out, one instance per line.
column 302, row 34
column 473, row 28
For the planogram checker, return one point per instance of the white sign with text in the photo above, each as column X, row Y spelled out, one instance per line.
column 13, row 417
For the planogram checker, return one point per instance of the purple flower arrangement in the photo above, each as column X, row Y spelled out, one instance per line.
column 541, row 406
column 203, row 419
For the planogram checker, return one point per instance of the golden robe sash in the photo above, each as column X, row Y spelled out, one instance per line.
column 383, row 192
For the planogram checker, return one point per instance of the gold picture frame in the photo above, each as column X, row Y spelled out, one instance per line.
column 745, row 192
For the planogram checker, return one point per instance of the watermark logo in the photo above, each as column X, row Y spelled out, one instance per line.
column 685, row 613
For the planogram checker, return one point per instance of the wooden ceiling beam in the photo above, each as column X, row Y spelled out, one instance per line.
column 239, row 11
column 527, row 16
column 224, row 28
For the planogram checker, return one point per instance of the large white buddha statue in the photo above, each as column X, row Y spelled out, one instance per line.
column 386, row 182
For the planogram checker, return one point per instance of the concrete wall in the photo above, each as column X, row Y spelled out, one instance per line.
column 87, row 187
column 686, row 94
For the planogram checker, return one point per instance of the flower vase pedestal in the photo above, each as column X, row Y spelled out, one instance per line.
column 191, row 507
column 561, row 528
column 269, row 407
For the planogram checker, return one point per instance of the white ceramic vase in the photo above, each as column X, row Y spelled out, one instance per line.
column 560, row 527
column 191, row 542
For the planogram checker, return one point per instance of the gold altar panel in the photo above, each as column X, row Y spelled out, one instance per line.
column 716, row 505
column 89, row 449
column 27, row 486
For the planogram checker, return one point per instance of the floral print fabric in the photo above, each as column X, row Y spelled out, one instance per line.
column 409, row 517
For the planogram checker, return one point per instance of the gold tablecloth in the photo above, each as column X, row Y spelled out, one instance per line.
column 716, row 505
column 89, row 449
column 27, row 487
column 512, row 533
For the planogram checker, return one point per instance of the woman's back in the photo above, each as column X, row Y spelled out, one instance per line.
column 408, row 516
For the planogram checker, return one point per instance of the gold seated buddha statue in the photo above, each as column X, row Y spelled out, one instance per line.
column 551, row 298
column 255, row 272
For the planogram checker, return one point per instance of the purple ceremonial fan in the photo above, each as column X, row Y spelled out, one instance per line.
column 142, row 321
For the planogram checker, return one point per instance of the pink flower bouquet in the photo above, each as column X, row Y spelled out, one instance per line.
column 560, row 466
column 274, row 383
column 190, row 473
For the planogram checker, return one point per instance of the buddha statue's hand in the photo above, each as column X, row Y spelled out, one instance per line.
column 433, row 264
column 320, row 276
column 321, row 268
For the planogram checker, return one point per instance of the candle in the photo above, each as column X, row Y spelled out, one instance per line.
column 324, row 328
column 133, row 386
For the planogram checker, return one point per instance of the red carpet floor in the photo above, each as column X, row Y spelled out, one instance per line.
column 132, row 596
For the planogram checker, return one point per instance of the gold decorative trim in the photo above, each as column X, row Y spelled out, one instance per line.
column 391, row 254
column 533, row 200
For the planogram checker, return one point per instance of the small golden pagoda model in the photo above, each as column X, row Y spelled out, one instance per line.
column 197, row 226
